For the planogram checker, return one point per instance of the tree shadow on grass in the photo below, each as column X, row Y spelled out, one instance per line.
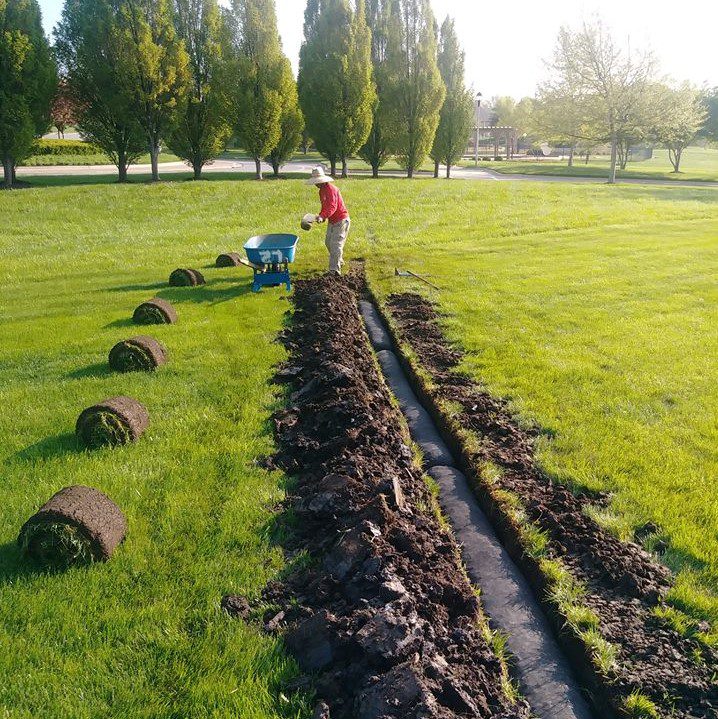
column 132, row 288
column 209, row 293
column 98, row 369
column 126, row 322
column 55, row 446
column 15, row 565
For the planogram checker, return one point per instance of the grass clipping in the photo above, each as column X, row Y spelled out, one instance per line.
column 114, row 421
column 77, row 525
column 155, row 312
column 137, row 354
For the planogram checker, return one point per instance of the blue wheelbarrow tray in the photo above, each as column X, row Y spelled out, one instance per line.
column 270, row 256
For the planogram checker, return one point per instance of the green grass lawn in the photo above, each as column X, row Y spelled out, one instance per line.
column 697, row 164
column 592, row 307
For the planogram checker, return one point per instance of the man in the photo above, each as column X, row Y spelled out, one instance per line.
column 334, row 212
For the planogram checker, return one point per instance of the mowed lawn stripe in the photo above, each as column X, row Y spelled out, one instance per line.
column 606, row 339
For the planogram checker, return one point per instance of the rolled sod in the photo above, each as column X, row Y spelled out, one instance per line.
column 186, row 278
column 137, row 354
column 229, row 259
column 117, row 420
column 155, row 312
column 77, row 525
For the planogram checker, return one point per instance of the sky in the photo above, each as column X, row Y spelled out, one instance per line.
column 506, row 44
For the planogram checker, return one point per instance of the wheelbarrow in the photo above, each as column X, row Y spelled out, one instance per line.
column 269, row 257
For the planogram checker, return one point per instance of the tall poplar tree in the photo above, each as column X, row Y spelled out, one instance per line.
column 156, row 68
column 94, row 59
column 376, row 150
column 336, row 89
column 28, row 80
column 415, row 91
column 258, row 72
column 201, row 128
column 457, row 113
column 291, row 123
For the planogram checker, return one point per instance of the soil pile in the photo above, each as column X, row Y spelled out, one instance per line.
column 137, row 354
column 383, row 617
column 624, row 583
column 117, row 420
column 77, row 525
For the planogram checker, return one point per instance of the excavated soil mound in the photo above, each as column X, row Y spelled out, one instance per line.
column 382, row 617
column 624, row 583
column 228, row 259
column 76, row 525
column 117, row 420
column 137, row 354
column 155, row 312
column 186, row 278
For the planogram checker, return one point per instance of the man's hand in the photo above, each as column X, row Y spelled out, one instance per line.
column 319, row 219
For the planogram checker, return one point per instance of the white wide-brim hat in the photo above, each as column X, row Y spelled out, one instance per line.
column 319, row 177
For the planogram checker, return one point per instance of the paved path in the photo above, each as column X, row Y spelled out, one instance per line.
column 305, row 166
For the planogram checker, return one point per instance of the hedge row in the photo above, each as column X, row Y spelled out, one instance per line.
column 65, row 147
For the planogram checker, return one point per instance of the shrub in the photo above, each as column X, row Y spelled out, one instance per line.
column 65, row 147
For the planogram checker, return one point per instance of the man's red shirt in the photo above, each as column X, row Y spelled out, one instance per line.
column 333, row 207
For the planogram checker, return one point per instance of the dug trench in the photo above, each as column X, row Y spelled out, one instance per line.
column 379, row 614
column 623, row 585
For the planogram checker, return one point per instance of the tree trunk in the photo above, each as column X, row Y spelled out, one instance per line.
column 122, row 166
column 436, row 168
column 587, row 154
column 448, row 170
column 570, row 156
column 333, row 166
column 258, row 167
column 155, row 160
column 344, row 167
column 674, row 155
column 197, row 167
column 8, row 170
column 375, row 170
column 614, row 157
column 410, row 171
column 276, row 167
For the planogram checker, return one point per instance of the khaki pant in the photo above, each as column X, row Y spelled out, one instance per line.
column 336, row 237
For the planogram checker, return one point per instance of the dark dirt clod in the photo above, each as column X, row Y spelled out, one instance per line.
column 236, row 606
column 228, row 259
column 383, row 616
column 624, row 583
column 99, row 520
column 155, row 312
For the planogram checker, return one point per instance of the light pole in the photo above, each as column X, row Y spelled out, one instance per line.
column 476, row 136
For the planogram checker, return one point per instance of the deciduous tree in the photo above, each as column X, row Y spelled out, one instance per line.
column 609, row 82
column 682, row 115
column 201, row 128
column 28, row 79
column 376, row 150
column 258, row 67
column 94, row 61
column 291, row 122
column 710, row 103
column 415, row 91
column 336, row 89
column 457, row 113
column 156, row 68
